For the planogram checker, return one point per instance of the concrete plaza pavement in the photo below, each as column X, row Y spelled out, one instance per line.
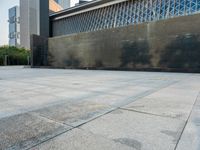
column 44, row 109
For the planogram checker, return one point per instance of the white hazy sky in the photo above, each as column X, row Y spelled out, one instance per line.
column 5, row 5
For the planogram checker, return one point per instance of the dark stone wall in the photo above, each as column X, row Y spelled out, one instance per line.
column 39, row 50
column 172, row 44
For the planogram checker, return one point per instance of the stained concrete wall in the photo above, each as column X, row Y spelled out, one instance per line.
column 172, row 44
column 39, row 50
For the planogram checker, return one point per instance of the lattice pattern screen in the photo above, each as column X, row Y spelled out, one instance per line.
column 123, row 14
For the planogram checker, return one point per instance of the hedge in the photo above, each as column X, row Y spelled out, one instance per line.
column 15, row 56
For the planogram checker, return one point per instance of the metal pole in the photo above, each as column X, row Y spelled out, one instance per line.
column 6, row 60
column 28, row 60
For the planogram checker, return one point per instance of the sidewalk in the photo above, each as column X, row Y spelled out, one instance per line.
column 43, row 109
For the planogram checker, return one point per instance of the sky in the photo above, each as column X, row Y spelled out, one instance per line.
column 5, row 5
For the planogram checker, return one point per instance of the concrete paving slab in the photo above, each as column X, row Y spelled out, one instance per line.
column 7, row 109
column 26, row 130
column 74, row 94
column 166, row 108
column 81, row 140
column 175, row 93
column 2, row 99
column 107, row 99
column 100, row 88
column 74, row 113
column 131, row 90
column 192, row 82
column 56, row 96
column 137, row 130
column 22, row 104
column 169, row 102
column 190, row 139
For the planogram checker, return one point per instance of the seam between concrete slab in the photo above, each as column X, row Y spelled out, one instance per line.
column 186, row 121
column 146, row 93
column 72, row 127
column 116, row 108
column 146, row 113
column 53, row 120
column 48, row 139
column 66, row 130
column 129, row 99
column 119, row 107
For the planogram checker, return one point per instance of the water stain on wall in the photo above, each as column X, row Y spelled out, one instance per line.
column 135, row 52
column 182, row 52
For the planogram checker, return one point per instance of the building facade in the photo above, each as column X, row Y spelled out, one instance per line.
column 35, row 17
column 99, row 15
column 14, row 26
column 70, row 3
column 34, row 20
column 54, row 7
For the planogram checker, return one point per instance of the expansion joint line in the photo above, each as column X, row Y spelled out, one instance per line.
column 187, row 121
column 98, row 116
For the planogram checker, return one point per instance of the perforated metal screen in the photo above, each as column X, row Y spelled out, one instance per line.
column 123, row 14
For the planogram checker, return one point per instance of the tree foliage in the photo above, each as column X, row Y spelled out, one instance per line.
column 15, row 56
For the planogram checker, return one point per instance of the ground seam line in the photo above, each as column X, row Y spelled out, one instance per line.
column 187, row 121
column 146, row 113
column 116, row 108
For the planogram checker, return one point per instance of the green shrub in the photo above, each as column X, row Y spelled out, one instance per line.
column 15, row 56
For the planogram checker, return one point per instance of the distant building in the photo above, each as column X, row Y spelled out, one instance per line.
column 70, row 3
column 14, row 26
column 64, row 3
column 34, row 17
column 54, row 6
column 34, row 20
